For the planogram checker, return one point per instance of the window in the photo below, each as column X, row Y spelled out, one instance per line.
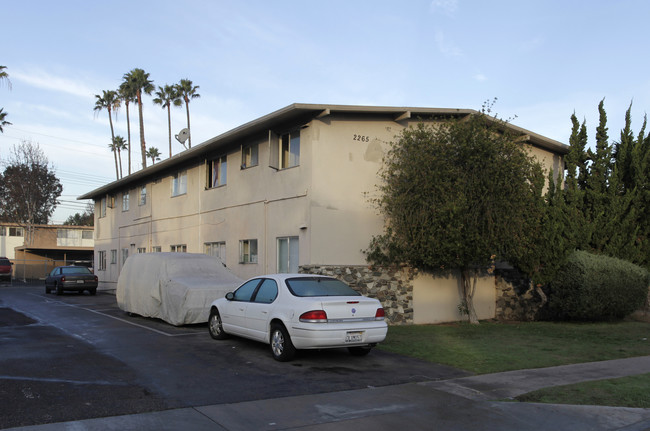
column 249, row 156
column 267, row 292
column 143, row 195
column 113, row 256
column 101, row 260
column 110, row 201
column 156, row 249
column 248, row 251
column 102, row 208
column 179, row 184
column 179, row 248
column 142, row 249
column 216, row 249
column 246, row 290
column 3, row 231
column 125, row 255
column 16, row 231
column 290, row 150
column 217, row 172
column 125, row 201
column 288, row 254
column 86, row 234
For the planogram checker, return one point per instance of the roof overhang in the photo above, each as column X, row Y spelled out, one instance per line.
column 296, row 113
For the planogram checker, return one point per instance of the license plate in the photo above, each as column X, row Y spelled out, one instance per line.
column 354, row 337
column 80, row 282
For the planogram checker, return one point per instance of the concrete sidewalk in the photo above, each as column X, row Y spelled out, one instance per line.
column 456, row 404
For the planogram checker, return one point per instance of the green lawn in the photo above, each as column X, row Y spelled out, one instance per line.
column 624, row 392
column 495, row 347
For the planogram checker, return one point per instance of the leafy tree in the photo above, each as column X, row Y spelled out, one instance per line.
column 109, row 101
column 139, row 82
column 127, row 95
column 187, row 91
column 154, row 154
column 87, row 218
column 29, row 189
column 166, row 97
column 457, row 195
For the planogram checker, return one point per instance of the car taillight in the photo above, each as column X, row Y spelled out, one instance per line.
column 379, row 315
column 96, row 279
column 63, row 279
column 314, row 316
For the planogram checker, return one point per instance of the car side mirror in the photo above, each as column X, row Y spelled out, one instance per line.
column 230, row 296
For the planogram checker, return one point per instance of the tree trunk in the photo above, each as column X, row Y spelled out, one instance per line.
column 187, row 108
column 143, row 146
column 469, row 278
column 169, row 126
column 128, row 133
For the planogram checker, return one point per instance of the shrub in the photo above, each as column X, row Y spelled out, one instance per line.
column 594, row 287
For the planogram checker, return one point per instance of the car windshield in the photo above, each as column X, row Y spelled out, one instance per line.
column 76, row 270
column 4, row 262
column 319, row 286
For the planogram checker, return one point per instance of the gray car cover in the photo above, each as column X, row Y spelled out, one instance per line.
column 175, row 287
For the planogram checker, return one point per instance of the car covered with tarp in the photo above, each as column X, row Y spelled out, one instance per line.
column 175, row 287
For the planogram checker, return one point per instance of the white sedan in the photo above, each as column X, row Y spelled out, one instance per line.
column 298, row 311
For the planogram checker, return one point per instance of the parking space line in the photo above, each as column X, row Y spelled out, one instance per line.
column 166, row 334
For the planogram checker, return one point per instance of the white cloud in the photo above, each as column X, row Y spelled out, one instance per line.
column 448, row 7
column 480, row 77
column 47, row 81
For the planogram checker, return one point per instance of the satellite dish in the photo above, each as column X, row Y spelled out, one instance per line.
column 183, row 135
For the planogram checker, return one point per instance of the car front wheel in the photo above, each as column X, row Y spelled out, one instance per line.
column 215, row 327
column 281, row 345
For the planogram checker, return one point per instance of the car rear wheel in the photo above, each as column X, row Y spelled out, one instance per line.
column 93, row 291
column 215, row 327
column 59, row 289
column 359, row 351
column 47, row 289
column 281, row 345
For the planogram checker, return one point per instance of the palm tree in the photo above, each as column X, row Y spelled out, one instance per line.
column 165, row 97
column 140, row 83
column 109, row 101
column 127, row 95
column 4, row 76
column 113, row 147
column 153, row 154
column 187, row 91
column 120, row 144
column 3, row 122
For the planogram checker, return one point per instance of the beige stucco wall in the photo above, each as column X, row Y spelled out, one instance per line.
column 325, row 202
column 436, row 298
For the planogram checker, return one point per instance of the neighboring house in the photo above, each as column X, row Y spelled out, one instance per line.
column 50, row 245
column 285, row 192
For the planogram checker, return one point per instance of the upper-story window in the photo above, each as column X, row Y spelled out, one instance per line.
column 125, row 201
column 249, row 156
column 102, row 208
column 290, row 149
column 179, row 183
column 217, row 172
column 143, row 195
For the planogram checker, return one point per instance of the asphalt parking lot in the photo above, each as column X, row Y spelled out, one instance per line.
column 75, row 357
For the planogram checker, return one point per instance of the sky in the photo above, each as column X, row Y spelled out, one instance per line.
column 542, row 59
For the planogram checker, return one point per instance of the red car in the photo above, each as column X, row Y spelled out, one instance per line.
column 5, row 269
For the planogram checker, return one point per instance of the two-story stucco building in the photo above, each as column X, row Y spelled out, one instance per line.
column 285, row 191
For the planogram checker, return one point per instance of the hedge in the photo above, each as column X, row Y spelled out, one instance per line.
column 594, row 287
